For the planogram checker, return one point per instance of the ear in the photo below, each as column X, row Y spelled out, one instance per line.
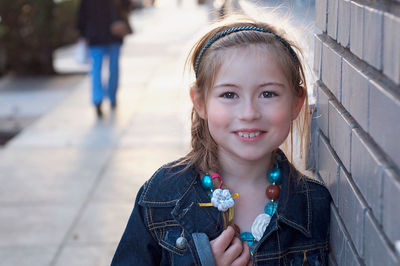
column 298, row 104
column 198, row 103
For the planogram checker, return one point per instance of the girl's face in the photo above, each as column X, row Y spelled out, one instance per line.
column 251, row 105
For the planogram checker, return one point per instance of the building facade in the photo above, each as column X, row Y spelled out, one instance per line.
column 356, row 144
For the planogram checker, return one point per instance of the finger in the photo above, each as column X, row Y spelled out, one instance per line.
column 222, row 242
column 244, row 258
column 235, row 249
column 250, row 263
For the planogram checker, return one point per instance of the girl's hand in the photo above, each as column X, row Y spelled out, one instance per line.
column 229, row 250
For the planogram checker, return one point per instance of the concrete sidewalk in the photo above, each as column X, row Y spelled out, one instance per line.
column 69, row 180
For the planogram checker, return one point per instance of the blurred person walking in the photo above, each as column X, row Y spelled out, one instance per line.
column 103, row 24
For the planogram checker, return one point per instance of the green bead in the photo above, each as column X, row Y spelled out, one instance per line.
column 206, row 182
column 275, row 176
column 270, row 208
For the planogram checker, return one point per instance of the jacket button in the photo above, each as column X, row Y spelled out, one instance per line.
column 181, row 242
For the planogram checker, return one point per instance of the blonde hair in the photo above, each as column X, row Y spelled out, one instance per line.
column 203, row 154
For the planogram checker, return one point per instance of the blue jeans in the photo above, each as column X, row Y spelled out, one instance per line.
column 97, row 54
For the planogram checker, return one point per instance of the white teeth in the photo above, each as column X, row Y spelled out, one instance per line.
column 249, row 135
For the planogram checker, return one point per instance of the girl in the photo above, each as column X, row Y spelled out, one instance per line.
column 235, row 199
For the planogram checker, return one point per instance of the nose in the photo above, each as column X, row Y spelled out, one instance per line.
column 249, row 111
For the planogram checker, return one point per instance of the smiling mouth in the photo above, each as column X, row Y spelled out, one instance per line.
column 248, row 135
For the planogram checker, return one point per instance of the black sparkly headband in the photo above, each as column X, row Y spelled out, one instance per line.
column 237, row 29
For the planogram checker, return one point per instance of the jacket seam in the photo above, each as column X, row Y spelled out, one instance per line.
column 171, row 248
column 315, row 181
column 309, row 208
column 153, row 232
column 294, row 223
column 160, row 223
column 148, row 187
column 288, row 252
column 307, row 230
column 151, row 216
column 164, row 226
column 162, row 202
column 150, row 181
column 195, row 259
column 190, row 187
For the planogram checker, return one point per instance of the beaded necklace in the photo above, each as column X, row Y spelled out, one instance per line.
column 224, row 201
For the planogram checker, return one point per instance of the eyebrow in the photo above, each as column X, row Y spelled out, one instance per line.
column 226, row 85
column 261, row 85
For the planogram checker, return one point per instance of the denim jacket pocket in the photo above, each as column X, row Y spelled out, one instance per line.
column 315, row 257
column 168, row 240
column 177, row 256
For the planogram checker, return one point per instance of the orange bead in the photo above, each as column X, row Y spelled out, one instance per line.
column 273, row 192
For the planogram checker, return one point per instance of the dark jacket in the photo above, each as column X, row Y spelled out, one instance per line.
column 95, row 18
column 167, row 207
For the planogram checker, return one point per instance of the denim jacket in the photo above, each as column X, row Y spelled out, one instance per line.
column 167, row 208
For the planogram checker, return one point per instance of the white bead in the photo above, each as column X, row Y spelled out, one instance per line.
column 222, row 199
column 226, row 193
column 259, row 225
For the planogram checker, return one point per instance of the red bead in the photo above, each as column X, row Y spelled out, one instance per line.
column 273, row 192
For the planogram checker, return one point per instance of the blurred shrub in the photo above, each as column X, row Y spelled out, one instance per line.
column 30, row 30
column 65, row 31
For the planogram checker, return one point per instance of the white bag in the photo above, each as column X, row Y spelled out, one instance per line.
column 82, row 52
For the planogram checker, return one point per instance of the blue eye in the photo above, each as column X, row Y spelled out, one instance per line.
column 229, row 95
column 268, row 94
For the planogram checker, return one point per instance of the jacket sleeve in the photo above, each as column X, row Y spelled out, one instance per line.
column 137, row 245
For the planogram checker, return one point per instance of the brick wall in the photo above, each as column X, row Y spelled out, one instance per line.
column 356, row 141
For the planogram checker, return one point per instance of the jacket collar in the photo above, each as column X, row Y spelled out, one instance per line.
column 294, row 206
column 194, row 218
column 168, row 185
column 180, row 189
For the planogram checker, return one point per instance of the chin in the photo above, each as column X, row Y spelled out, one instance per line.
column 254, row 157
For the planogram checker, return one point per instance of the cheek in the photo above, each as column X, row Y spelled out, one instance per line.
column 280, row 119
column 280, row 115
column 218, row 117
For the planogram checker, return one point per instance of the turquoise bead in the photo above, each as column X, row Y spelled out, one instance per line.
column 270, row 208
column 248, row 237
column 206, row 182
column 275, row 176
